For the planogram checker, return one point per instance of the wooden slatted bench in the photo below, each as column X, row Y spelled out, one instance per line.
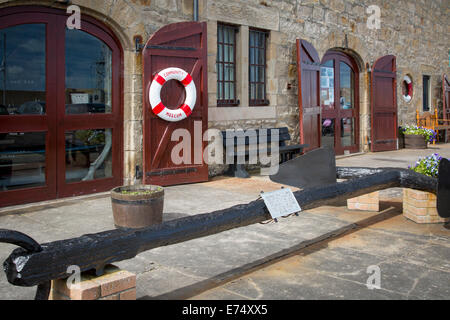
column 240, row 143
column 431, row 121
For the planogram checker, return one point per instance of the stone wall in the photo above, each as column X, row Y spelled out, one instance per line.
column 415, row 31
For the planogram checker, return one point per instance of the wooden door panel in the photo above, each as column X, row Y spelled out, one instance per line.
column 181, row 45
column 308, row 70
column 311, row 126
column 162, row 141
column 384, row 101
column 384, row 127
column 384, row 104
column 180, row 33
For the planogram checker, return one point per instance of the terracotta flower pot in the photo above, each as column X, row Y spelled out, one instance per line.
column 415, row 141
column 137, row 206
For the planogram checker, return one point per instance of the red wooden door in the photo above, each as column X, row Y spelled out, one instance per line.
column 27, row 135
column 384, row 104
column 181, row 45
column 91, row 134
column 340, row 102
column 52, row 144
column 308, row 71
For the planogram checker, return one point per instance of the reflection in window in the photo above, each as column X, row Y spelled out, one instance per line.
column 327, row 85
column 88, row 154
column 22, row 70
column 347, row 82
column 348, row 132
column 22, row 160
column 328, row 128
column 88, row 74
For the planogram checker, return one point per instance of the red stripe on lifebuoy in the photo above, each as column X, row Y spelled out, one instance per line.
column 410, row 89
column 187, row 110
column 154, row 94
column 159, row 79
column 187, row 80
column 159, row 107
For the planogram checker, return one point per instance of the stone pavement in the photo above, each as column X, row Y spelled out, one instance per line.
column 414, row 259
column 401, row 158
column 413, row 262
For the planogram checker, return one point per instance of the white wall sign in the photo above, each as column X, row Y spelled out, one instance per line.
column 281, row 202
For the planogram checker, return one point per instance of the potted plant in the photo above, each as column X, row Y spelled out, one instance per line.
column 417, row 137
column 428, row 166
column 420, row 206
column 137, row 206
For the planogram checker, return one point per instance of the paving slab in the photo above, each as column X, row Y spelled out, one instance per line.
column 290, row 286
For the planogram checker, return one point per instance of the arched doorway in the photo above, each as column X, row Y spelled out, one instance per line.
column 61, row 106
column 339, row 100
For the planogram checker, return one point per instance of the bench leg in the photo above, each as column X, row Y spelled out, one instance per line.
column 237, row 171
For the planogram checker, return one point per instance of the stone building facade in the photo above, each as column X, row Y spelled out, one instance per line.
column 416, row 32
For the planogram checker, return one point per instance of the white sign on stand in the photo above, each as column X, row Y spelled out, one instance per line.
column 281, row 202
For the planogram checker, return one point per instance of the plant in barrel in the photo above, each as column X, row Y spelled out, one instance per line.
column 418, row 137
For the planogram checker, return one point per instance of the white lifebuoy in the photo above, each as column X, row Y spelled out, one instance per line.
column 408, row 96
column 158, row 107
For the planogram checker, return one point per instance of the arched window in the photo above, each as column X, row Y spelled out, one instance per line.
column 60, row 106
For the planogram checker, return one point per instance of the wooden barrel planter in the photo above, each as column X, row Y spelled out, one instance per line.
column 137, row 206
column 415, row 141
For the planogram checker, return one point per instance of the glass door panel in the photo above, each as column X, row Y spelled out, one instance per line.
column 22, row 70
column 88, row 79
column 347, row 86
column 348, row 132
column 88, row 155
column 328, row 132
column 327, row 85
column 88, row 74
column 25, row 143
column 22, row 160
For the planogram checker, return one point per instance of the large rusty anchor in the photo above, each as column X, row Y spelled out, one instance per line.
column 34, row 264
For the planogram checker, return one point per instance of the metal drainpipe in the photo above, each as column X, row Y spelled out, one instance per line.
column 195, row 10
